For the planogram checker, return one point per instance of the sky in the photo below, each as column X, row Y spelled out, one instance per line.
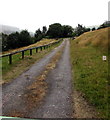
column 33, row 14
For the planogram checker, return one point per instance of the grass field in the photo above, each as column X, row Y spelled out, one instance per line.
column 89, row 71
column 19, row 65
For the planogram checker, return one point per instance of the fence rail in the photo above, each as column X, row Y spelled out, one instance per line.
column 30, row 49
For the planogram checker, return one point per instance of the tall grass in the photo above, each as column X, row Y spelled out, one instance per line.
column 97, row 38
column 90, row 72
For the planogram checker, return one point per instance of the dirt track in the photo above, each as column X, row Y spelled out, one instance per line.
column 57, row 103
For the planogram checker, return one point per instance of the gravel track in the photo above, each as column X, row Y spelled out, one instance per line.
column 58, row 102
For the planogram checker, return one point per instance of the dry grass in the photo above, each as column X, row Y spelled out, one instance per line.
column 97, row 38
column 42, row 42
column 82, row 108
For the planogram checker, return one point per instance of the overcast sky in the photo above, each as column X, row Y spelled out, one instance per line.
column 33, row 14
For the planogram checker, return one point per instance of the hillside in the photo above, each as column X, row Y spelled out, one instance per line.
column 97, row 38
column 89, row 71
column 42, row 42
column 8, row 29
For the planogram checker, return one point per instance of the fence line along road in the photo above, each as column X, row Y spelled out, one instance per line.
column 22, row 51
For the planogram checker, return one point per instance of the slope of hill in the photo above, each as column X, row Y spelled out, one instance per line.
column 90, row 72
column 8, row 29
column 97, row 38
column 42, row 42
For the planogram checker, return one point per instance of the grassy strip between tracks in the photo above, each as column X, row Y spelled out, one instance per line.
column 10, row 72
column 90, row 72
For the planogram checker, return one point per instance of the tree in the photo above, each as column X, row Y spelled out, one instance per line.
column 80, row 30
column 38, row 35
column 4, row 42
column 55, row 30
column 87, row 29
column 67, row 31
column 13, row 40
column 104, row 25
column 44, row 30
column 93, row 29
column 24, row 38
column 16, row 40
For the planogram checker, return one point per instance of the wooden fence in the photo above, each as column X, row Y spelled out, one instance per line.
column 30, row 49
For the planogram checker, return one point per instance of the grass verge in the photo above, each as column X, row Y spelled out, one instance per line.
column 90, row 74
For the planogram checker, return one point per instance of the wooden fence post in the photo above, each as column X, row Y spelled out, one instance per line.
column 10, row 59
column 36, row 50
column 30, row 51
column 22, row 54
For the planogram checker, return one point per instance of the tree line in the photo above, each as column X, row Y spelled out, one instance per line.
column 23, row 38
column 56, row 30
